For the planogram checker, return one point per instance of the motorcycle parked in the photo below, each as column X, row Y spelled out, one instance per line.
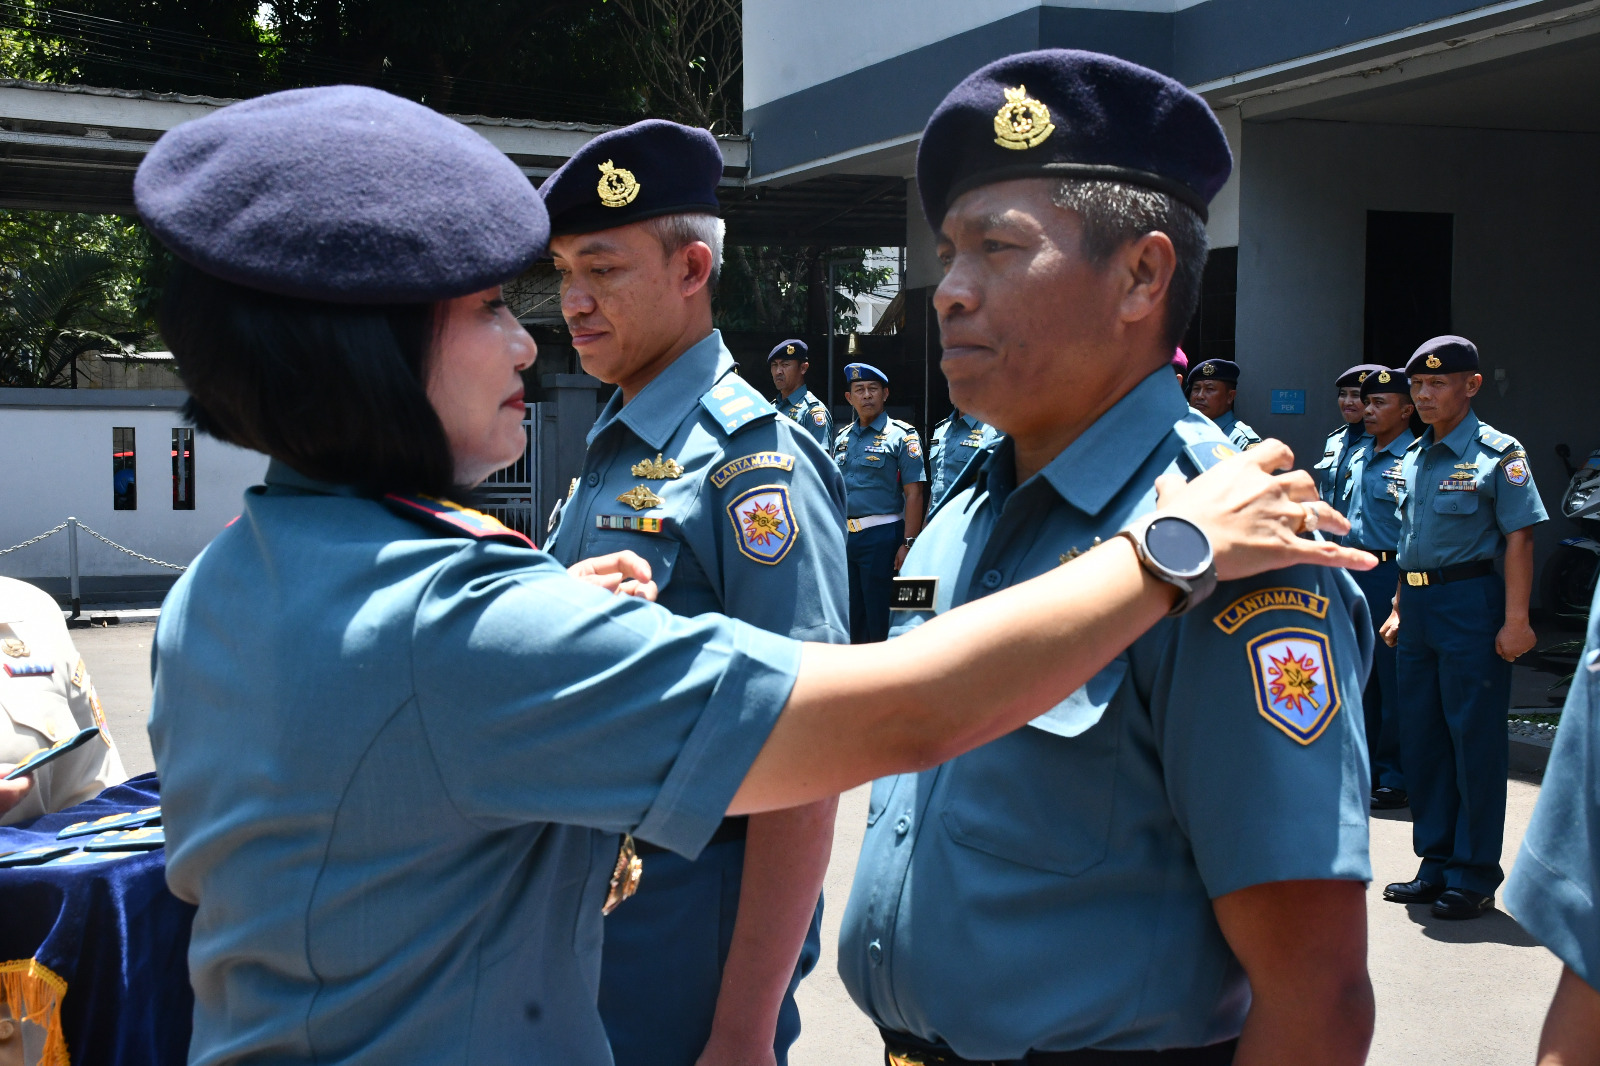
column 1567, row 585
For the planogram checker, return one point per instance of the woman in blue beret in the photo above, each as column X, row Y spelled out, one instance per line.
column 398, row 745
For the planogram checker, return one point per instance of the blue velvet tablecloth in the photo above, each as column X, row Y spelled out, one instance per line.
column 112, row 932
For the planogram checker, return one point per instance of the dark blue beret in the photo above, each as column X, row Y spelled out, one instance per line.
column 344, row 194
column 1443, row 355
column 854, row 372
column 1071, row 114
column 1212, row 370
column 641, row 171
column 1383, row 379
column 1357, row 374
column 794, row 348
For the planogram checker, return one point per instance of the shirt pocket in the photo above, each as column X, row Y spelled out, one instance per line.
column 1455, row 503
column 1038, row 798
column 660, row 551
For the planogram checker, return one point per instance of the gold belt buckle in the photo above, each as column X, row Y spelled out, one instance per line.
column 897, row 1059
column 1415, row 579
column 625, row 875
column 852, row 525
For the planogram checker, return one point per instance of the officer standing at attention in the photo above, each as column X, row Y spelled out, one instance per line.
column 46, row 698
column 884, row 483
column 1469, row 496
column 789, row 362
column 1341, row 443
column 737, row 511
column 1154, row 865
column 1377, row 484
column 951, row 445
column 1211, row 387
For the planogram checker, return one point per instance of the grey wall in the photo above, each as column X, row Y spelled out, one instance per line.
column 1526, row 277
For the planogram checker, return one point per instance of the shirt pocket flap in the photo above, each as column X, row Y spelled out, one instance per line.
column 1455, row 503
column 659, row 551
column 1081, row 710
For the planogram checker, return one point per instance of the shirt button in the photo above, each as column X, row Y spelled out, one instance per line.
column 594, row 479
column 902, row 825
column 875, row 952
column 992, row 579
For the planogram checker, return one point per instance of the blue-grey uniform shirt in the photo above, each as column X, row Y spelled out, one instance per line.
column 951, row 445
column 877, row 461
column 1337, row 453
column 1462, row 495
column 1239, row 434
column 1556, row 882
column 1052, row 889
column 742, row 512
column 1375, row 485
column 393, row 767
column 811, row 413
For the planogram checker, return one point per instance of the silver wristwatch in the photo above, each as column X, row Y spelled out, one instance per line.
column 1176, row 551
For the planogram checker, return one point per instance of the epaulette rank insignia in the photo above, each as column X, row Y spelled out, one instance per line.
column 453, row 519
column 1495, row 439
column 632, row 523
column 734, row 404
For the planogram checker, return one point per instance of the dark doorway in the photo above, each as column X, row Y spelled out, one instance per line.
column 1408, row 282
column 1210, row 332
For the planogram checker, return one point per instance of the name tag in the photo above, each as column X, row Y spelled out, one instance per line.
column 913, row 593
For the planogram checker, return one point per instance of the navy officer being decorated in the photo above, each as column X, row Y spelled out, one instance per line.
column 1119, row 874
column 1468, row 499
column 1340, row 446
column 789, row 363
column 738, row 511
column 884, row 478
column 951, row 446
column 1212, row 386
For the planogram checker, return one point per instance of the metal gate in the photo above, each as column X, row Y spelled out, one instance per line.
column 509, row 494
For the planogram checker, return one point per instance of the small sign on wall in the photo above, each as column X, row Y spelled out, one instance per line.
column 1288, row 401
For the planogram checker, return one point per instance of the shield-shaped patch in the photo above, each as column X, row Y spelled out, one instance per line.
column 1517, row 472
column 1295, row 687
column 764, row 522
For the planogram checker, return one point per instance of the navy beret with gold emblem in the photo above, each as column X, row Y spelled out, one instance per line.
column 794, row 348
column 854, row 372
column 1212, row 370
column 1443, row 355
column 645, row 170
column 1357, row 374
column 1383, row 379
column 343, row 194
column 1071, row 114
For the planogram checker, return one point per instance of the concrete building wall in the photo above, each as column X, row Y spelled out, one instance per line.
column 1525, row 283
column 58, row 463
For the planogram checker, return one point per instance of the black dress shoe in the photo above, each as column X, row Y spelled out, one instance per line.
column 1418, row 891
column 1462, row 903
column 1389, row 799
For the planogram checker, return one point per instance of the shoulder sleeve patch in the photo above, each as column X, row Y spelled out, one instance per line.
column 1294, row 682
column 1246, row 607
column 733, row 404
column 763, row 521
column 913, row 445
column 747, row 463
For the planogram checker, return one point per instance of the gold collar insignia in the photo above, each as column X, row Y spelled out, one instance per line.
column 617, row 187
column 640, row 498
column 1022, row 122
column 658, row 469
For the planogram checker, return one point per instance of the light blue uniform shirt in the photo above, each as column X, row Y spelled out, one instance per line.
column 877, row 461
column 1462, row 496
column 393, row 765
column 750, row 518
column 802, row 407
column 1052, row 889
column 1374, row 485
column 1338, row 451
column 951, row 445
column 1556, row 882
column 1239, row 434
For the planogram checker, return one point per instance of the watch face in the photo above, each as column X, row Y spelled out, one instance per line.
column 1178, row 545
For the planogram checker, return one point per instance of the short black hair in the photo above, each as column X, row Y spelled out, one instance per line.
column 336, row 391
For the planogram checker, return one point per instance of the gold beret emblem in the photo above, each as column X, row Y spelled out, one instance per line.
column 1383, row 378
column 617, row 187
column 1022, row 122
column 1362, row 380
column 1433, row 362
column 790, row 349
column 1209, row 369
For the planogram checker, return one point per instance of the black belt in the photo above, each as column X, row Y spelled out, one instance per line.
column 1445, row 575
column 903, row 1050
column 730, row 829
column 1383, row 556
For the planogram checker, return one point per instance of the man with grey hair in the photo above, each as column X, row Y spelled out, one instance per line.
column 1168, row 866
column 736, row 510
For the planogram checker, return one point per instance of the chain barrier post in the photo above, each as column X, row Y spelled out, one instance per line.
column 72, row 563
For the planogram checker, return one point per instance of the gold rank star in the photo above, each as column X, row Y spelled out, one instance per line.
column 658, row 469
column 640, row 498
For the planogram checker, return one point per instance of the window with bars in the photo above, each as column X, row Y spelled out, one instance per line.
column 182, row 469
column 124, row 475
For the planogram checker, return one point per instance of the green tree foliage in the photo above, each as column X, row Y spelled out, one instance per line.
column 781, row 289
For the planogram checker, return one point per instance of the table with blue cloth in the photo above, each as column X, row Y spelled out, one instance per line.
column 95, row 956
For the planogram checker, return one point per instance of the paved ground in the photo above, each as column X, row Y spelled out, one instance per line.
column 1471, row 994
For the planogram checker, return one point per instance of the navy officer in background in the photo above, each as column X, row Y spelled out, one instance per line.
column 1153, row 865
column 884, row 481
column 737, row 511
column 1212, row 386
column 1340, row 446
column 951, row 445
column 1469, row 498
column 788, row 361
column 1377, row 482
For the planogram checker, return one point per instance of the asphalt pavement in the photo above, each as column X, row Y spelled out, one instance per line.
column 1467, row 993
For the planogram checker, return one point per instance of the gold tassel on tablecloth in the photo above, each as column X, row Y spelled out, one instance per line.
column 33, row 993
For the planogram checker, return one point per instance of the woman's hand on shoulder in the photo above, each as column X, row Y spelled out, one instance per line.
column 1255, row 516
column 622, row 572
